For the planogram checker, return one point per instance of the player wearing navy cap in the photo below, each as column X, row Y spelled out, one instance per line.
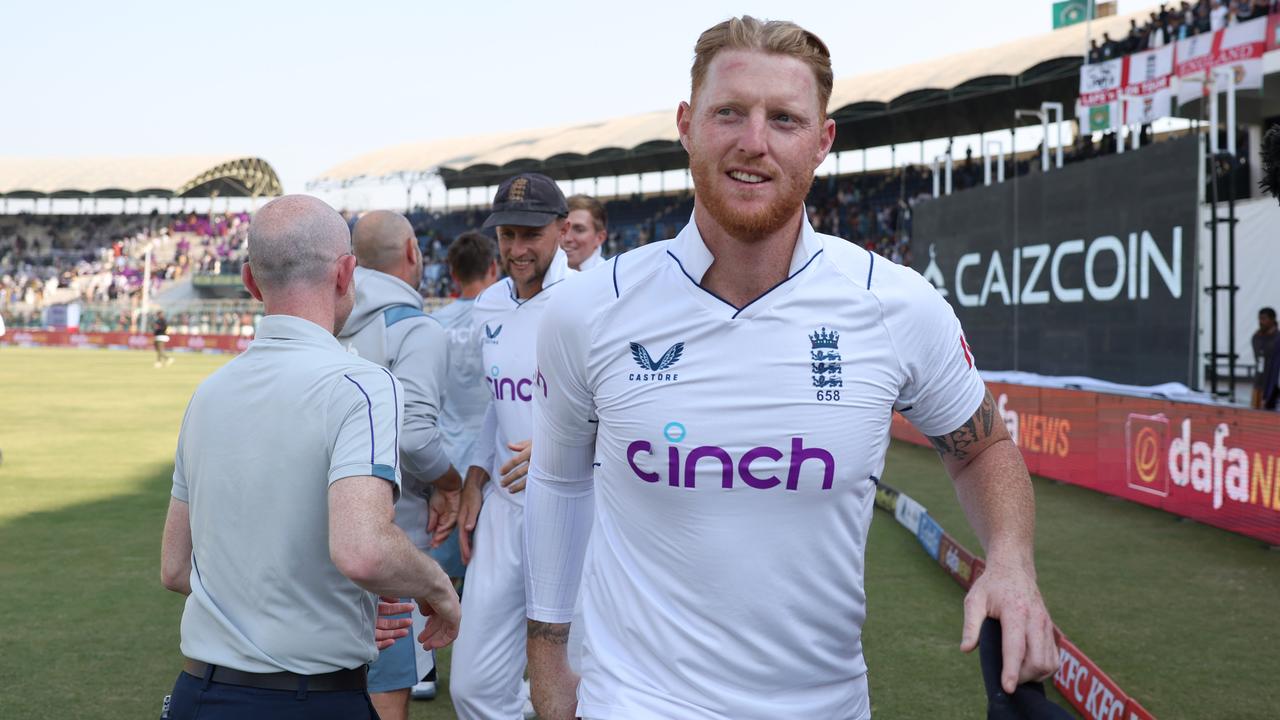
column 529, row 213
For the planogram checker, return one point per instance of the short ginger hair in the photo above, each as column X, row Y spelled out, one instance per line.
column 777, row 37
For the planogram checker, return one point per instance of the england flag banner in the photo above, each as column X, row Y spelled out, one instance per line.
column 1148, row 89
column 1238, row 48
column 1100, row 108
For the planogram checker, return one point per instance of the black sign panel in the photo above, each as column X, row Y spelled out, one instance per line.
column 1088, row 270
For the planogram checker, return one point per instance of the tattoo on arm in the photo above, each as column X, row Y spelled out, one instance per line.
column 960, row 443
column 554, row 633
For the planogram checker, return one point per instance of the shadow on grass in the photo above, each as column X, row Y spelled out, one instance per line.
column 88, row 629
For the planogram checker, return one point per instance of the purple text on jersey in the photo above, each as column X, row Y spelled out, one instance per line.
column 505, row 388
column 799, row 455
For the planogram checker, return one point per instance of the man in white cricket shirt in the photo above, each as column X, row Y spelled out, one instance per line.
column 473, row 266
column 733, row 388
column 489, row 657
column 588, row 228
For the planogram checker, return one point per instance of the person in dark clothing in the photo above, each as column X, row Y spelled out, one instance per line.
column 1266, row 351
column 1110, row 48
column 160, row 330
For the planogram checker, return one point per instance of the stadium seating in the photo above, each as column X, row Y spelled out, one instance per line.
column 47, row 259
column 98, row 260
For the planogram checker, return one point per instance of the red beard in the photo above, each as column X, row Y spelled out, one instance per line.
column 748, row 226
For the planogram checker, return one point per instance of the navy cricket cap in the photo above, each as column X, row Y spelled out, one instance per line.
column 527, row 200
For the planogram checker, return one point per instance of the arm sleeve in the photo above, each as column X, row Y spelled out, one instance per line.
column 180, row 490
column 365, row 409
column 485, row 448
column 420, row 366
column 559, row 502
column 941, row 387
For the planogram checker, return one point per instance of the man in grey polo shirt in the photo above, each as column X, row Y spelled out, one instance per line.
column 280, row 525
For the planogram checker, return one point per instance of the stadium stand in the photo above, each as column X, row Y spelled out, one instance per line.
column 1169, row 24
column 100, row 258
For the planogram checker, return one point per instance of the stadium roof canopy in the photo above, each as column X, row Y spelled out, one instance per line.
column 969, row 92
column 107, row 177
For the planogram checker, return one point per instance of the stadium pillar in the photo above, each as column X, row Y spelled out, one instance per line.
column 146, row 279
column 1255, row 168
column 1013, row 151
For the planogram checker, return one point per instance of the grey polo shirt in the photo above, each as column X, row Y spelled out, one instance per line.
column 262, row 440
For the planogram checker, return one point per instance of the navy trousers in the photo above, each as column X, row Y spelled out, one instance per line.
column 196, row 697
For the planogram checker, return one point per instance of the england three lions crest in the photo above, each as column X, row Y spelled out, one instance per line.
column 824, row 359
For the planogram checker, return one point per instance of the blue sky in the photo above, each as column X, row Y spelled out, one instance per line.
column 309, row 85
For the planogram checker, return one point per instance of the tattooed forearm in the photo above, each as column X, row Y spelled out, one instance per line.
column 963, row 441
column 555, row 633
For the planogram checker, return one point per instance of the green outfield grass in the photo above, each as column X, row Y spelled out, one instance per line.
column 1181, row 615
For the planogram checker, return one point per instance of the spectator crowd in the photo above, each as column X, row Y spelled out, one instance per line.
column 1169, row 24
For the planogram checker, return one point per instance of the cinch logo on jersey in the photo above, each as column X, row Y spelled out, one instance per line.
column 653, row 369
column 505, row 388
column 681, row 468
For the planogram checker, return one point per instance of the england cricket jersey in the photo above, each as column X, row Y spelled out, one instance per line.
column 737, row 453
column 465, row 392
column 506, row 327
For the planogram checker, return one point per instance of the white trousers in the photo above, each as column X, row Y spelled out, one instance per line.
column 489, row 653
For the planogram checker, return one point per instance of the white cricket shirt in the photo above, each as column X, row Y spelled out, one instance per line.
column 737, row 453
column 465, row 392
column 506, row 328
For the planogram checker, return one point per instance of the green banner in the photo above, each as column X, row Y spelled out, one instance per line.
column 1070, row 12
column 1100, row 118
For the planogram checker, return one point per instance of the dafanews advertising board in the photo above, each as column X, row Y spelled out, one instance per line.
column 1215, row 464
column 1086, row 270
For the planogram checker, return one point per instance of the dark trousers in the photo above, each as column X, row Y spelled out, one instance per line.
column 195, row 697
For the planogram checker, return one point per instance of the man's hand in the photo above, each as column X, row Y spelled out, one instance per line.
column 444, row 615
column 514, row 470
column 389, row 629
column 442, row 514
column 469, row 509
column 553, row 686
column 1008, row 593
column 994, row 489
